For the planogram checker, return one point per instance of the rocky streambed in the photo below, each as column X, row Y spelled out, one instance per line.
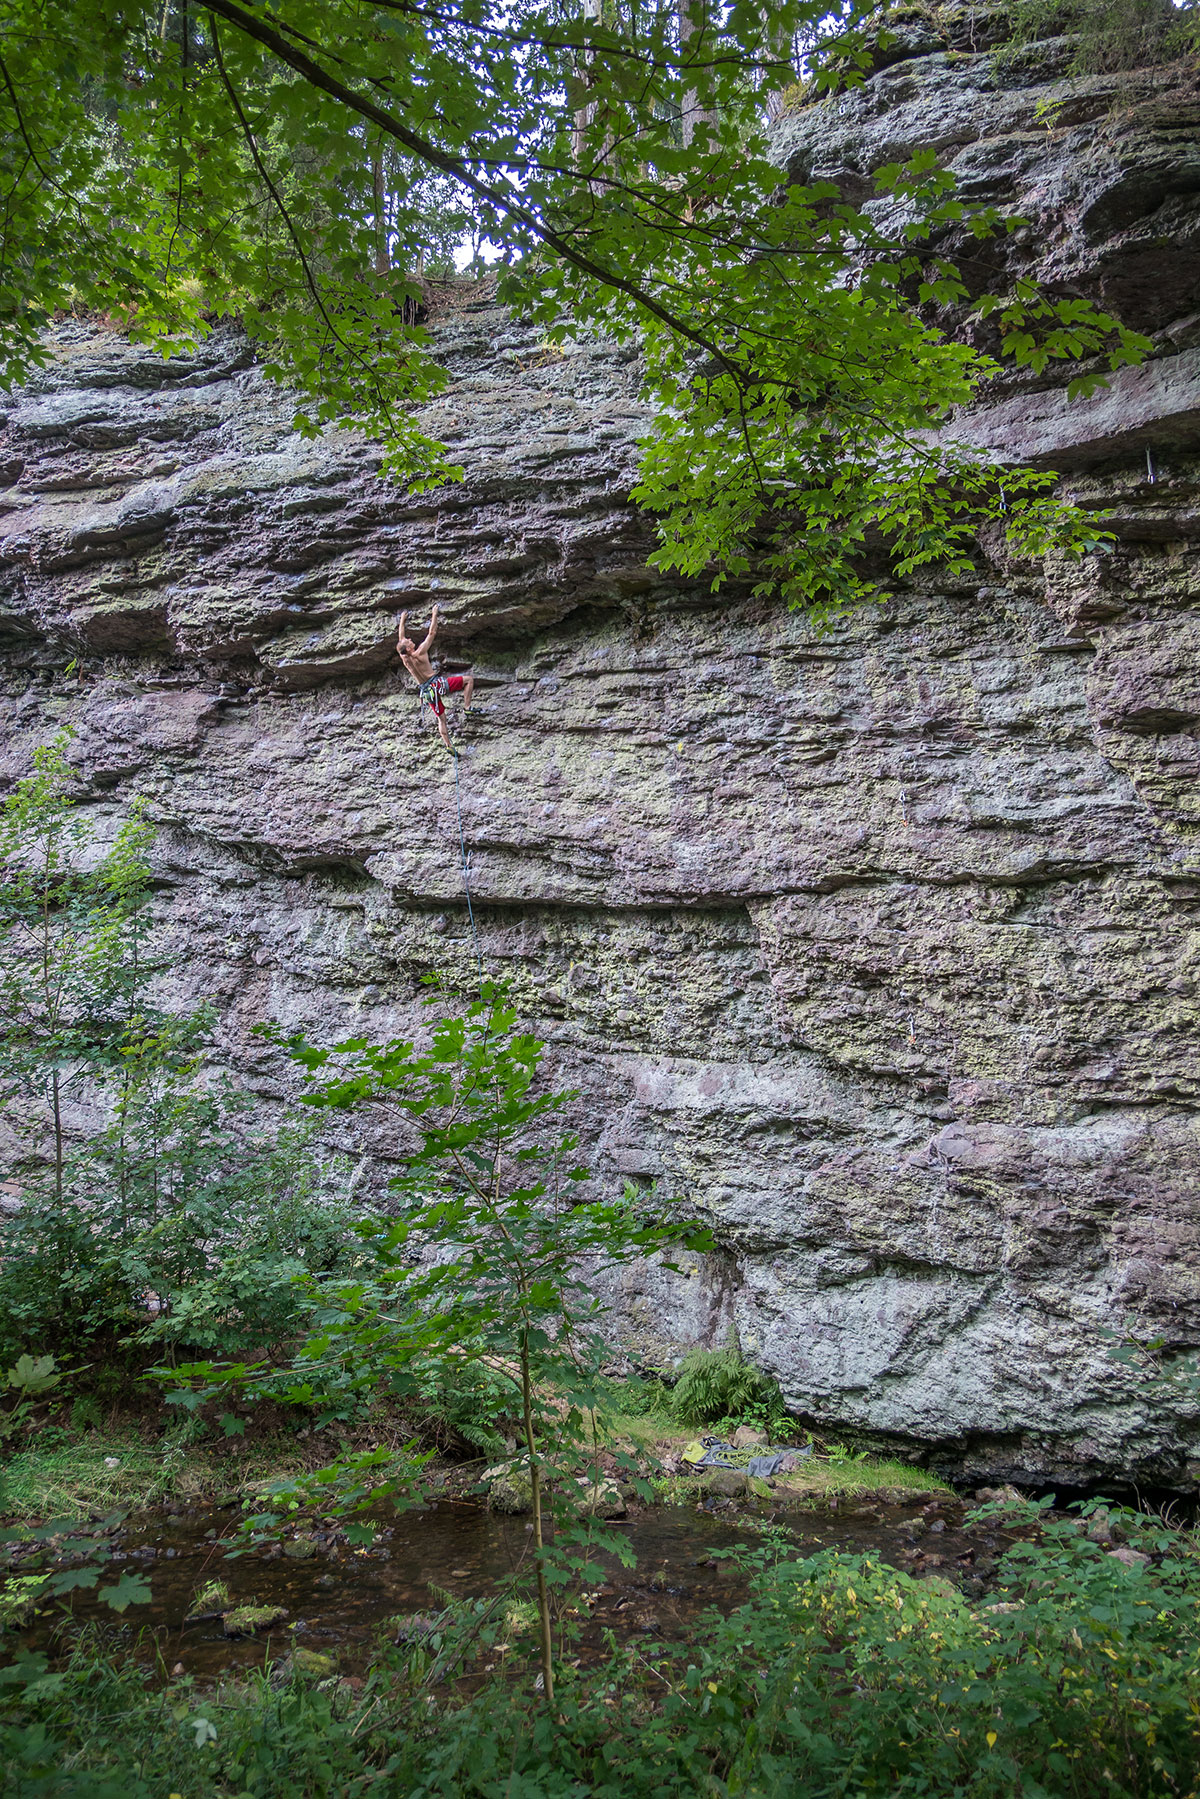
column 318, row 1593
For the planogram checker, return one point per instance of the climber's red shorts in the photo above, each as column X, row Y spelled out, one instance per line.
column 433, row 691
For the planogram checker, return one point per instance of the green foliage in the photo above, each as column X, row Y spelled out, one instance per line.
column 469, row 1408
column 19, row 1596
column 483, row 1273
column 95, row 1731
column 82, row 1558
column 1111, row 35
column 637, row 1398
column 85, row 1413
column 32, row 1376
column 179, row 1225
column 175, row 1221
column 840, row 1678
column 718, row 1386
column 73, row 935
column 172, row 164
column 212, row 1596
column 28, row 1381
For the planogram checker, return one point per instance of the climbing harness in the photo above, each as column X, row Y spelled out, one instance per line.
column 431, row 691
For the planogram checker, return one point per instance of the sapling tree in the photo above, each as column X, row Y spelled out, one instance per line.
column 162, row 1213
column 73, row 946
column 488, row 1262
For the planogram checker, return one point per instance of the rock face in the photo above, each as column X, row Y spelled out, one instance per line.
column 881, row 948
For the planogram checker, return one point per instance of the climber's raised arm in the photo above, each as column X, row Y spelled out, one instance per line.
column 433, row 625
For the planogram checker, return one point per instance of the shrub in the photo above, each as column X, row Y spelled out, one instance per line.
column 174, row 1222
column 174, row 1227
column 717, row 1386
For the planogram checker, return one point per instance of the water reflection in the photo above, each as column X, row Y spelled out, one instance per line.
column 336, row 1596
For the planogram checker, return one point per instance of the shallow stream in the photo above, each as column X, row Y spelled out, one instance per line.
column 337, row 1596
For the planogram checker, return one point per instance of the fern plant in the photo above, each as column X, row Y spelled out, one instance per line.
column 719, row 1386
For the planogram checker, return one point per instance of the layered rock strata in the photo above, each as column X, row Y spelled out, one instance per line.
column 879, row 948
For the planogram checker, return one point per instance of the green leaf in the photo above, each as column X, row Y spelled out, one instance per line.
column 130, row 1589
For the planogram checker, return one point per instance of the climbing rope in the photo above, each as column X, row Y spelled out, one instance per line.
column 462, row 847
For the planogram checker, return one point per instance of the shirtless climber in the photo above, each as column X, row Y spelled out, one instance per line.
column 434, row 687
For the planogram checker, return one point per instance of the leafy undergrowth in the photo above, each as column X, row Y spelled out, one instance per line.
column 151, row 1457
column 840, row 1679
column 656, row 1421
column 132, row 1462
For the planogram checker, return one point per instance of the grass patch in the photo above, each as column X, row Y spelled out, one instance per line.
column 123, row 1468
column 68, row 1478
column 817, row 1480
column 873, row 1474
column 644, row 1417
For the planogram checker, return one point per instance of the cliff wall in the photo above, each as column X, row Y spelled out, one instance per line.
column 881, row 946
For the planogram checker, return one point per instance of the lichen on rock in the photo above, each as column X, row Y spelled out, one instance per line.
column 509, row 1488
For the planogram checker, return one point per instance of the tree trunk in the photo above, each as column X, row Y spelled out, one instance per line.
column 383, row 261
column 780, row 72
column 585, row 109
column 56, row 1101
column 695, row 42
column 535, row 1484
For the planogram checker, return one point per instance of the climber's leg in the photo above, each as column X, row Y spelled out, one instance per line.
column 464, row 684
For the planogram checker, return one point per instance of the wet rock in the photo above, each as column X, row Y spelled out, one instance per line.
column 247, row 1620
column 1102, row 1527
column 1129, row 1558
column 724, row 1483
column 510, row 1488
column 604, row 1499
column 999, row 1495
column 300, row 1549
column 312, row 1664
